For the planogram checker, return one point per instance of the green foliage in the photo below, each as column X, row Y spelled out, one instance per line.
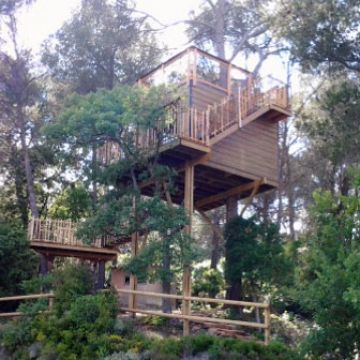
column 322, row 34
column 102, row 45
column 73, row 204
column 254, row 252
column 207, row 282
column 17, row 261
column 83, row 331
column 70, row 283
column 327, row 279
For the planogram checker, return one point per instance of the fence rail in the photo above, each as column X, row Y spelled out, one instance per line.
column 186, row 315
column 49, row 296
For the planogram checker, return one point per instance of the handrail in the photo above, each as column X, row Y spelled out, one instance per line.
column 266, row 325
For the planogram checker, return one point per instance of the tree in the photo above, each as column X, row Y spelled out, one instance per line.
column 23, row 111
column 102, row 45
column 17, row 261
column 254, row 254
column 120, row 117
column 323, row 35
column 327, row 278
column 240, row 26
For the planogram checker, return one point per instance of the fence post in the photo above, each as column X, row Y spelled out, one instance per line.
column 267, row 322
column 51, row 301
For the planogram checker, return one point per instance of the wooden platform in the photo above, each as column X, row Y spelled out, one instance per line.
column 82, row 252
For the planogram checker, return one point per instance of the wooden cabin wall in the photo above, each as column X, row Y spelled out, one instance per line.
column 252, row 152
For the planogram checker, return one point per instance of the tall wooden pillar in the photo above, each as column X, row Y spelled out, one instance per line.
column 189, row 206
column 100, row 274
column 133, row 278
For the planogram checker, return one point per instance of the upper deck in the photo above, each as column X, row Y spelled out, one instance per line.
column 218, row 94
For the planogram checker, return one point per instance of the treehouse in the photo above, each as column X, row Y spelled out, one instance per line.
column 226, row 126
column 221, row 136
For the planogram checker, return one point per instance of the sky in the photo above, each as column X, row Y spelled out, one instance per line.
column 44, row 17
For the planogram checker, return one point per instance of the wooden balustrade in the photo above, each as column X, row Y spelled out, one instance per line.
column 57, row 232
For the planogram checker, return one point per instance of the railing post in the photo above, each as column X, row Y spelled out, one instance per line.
column 207, row 126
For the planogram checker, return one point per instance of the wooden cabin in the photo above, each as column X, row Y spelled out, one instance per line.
column 226, row 125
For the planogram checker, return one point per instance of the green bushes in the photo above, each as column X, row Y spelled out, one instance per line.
column 82, row 332
column 84, row 327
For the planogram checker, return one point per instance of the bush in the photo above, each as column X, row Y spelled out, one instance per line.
column 84, row 331
column 208, row 282
column 71, row 282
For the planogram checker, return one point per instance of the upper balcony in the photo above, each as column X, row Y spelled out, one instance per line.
column 209, row 84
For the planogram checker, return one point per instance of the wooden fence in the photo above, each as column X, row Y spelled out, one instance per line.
column 186, row 313
column 49, row 296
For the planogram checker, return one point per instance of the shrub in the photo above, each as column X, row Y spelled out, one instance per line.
column 209, row 282
column 71, row 282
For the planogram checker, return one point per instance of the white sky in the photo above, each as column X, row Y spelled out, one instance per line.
column 44, row 17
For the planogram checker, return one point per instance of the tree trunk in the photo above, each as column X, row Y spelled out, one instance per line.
column 28, row 169
column 217, row 217
column 215, row 251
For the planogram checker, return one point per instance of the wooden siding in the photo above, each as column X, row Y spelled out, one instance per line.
column 251, row 152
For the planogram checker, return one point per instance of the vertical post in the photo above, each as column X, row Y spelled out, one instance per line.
column 267, row 323
column 51, row 301
column 189, row 206
column 133, row 278
column 229, row 68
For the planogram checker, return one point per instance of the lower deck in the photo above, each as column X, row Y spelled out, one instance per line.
column 50, row 250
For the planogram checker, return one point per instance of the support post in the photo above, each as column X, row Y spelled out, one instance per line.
column 133, row 278
column 189, row 206
column 101, row 274
column 267, row 322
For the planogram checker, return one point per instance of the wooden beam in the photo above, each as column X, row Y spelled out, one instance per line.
column 237, row 190
column 189, row 206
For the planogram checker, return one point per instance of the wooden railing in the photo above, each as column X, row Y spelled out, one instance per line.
column 252, row 100
column 56, row 232
column 186, row 312
column 49, row 296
